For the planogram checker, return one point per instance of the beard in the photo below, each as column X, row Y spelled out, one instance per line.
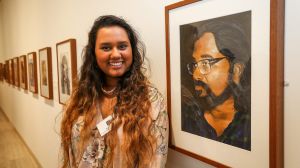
column 210, row 101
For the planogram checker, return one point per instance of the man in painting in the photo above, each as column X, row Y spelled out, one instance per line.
column 44, row 73
column 218, row 106
column 22, row 73
column 31, row 77
column 16, row 72
column 65, row 81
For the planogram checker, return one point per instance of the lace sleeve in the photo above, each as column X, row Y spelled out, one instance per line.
column 160, row 129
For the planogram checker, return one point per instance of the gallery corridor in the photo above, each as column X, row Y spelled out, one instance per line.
column 13, row 151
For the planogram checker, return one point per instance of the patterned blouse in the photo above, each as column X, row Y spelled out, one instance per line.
column 96, row 149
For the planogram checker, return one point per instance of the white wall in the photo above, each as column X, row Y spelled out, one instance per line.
column 1, row 36
column 33, row 24
column 292, row 90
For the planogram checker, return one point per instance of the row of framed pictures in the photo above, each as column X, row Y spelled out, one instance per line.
column 21, row 71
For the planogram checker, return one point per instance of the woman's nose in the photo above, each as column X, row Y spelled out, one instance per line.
column 115, row 53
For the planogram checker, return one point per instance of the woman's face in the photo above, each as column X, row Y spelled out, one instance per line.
column 113, row 51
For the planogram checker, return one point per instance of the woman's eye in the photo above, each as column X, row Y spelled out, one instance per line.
column 122, row 47
column 105, row 48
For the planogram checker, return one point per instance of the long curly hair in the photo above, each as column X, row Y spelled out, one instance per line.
column 131, row 110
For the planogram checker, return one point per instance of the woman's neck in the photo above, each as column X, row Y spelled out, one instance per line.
column 110, row 83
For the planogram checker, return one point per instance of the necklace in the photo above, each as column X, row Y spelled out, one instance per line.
column 108, row 92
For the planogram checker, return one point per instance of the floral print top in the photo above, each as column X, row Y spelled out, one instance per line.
column 96, row 149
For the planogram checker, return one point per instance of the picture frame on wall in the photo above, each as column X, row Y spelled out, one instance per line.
column 7, row 73
column 220, row 107
column 66, row 68
column 16, row 71
column 1, row 72
column 23, row 72
column 11, row 72
column 45, row 64
column 32, row 72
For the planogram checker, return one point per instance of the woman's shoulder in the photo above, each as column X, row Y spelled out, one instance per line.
column 158, row 104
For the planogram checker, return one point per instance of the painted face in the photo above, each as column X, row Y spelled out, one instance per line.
column 214, row 71
column 113, row 51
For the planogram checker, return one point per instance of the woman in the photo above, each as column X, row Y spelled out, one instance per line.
column 114, row 118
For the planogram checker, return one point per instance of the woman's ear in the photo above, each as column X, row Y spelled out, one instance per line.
column 238, row 69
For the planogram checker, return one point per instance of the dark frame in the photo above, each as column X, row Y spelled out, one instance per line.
column 1, row 71
column 11, row 72
column 35, row 87
column 49, row 75
column 276, row 83
column 25, row 84
column 16, row 72
column 73, row 66
column 7, row 71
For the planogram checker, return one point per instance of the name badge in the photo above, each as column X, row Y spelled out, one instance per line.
column 104, row 126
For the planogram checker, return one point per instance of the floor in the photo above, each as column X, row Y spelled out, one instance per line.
column 13, row 152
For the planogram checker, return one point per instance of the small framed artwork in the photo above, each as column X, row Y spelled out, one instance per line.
column 66, row 68
column 32, row 72
column 7, row 71
column 45, row 64
column 16, row 71
column 11, row 72
column 225, row 81
column 23, row 72
column 1, row 72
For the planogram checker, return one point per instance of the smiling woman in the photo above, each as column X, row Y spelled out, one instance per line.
column 115, row 117
column 113, row 52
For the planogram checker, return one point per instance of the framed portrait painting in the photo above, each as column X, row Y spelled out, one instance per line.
column 32, row 72
column 226, row 68
column 1, row 72
column 45, row 64
column 16, row 71
column 11, row 72
column 7, row 71
column 23, row 72
column 66, row 68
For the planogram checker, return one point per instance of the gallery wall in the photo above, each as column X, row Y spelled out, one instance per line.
column 1, row 36
column 27, row 26
column 30, row 25
column 292, row 85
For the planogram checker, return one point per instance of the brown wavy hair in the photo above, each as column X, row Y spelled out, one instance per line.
column 131, row 110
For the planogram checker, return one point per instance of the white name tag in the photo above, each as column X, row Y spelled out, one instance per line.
column 104, row 126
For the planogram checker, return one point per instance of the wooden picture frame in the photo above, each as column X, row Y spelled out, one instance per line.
column 23, row 72
column 11, row 72
column 45, row 64
column 7, row 71
column 267, row 19
column 1, row 71
column 32, row 72
column 66, row 68
column 16, row 71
